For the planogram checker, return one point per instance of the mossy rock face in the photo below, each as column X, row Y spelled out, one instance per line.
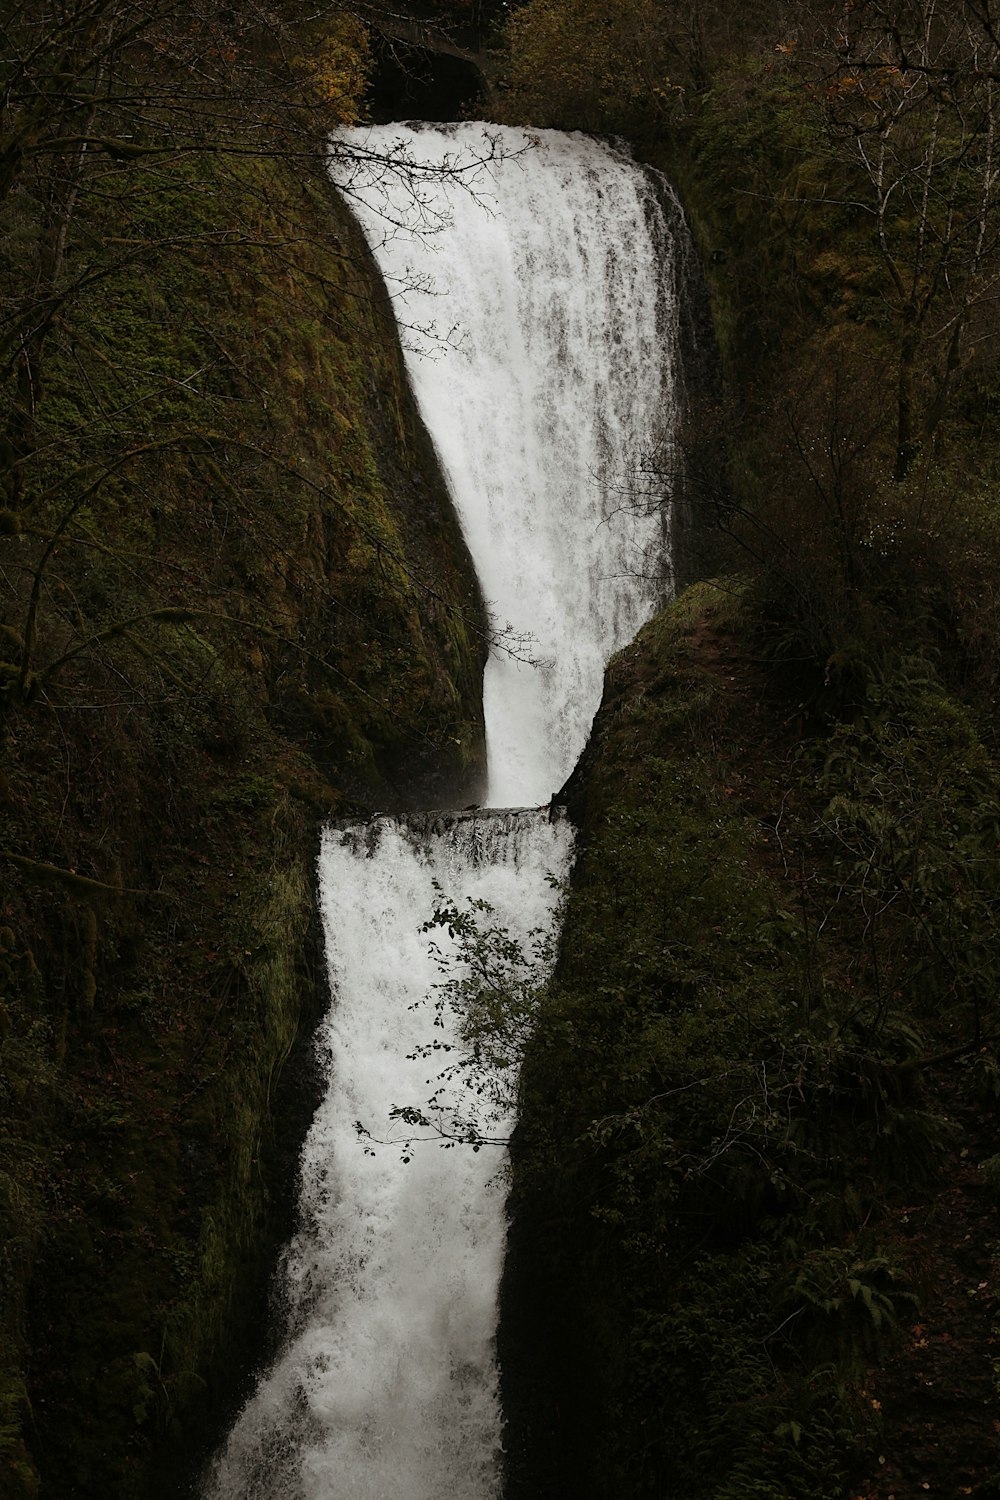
column 723, row 1103
column 21, row 1481
column 255, row 609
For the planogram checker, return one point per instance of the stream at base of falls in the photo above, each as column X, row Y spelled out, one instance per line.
column 554, row 263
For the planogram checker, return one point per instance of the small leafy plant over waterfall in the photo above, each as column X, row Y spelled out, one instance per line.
column 488, row 998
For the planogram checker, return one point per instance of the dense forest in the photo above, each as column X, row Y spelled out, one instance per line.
column 756, row 1182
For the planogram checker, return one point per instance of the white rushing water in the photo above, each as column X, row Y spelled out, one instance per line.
column 386, row 1388
column 554, row 265
column 557, row 273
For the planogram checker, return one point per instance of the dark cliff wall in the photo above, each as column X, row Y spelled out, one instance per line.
column 754, row 1162
column 235, row 601
column 754, row 1204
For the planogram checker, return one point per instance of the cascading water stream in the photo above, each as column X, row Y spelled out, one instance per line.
column 555, row 264
column 557, row 270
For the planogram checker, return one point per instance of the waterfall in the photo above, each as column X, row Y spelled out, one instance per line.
column 555, row 263
column 551, row 264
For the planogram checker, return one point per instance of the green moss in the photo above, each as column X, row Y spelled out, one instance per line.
column 19, row 1474
column 765, row 938
column 234, row 636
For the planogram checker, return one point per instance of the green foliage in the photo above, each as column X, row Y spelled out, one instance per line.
column 781, row 932
column 851, row 304
column 587, row 64
column 845, row 1302
column 762, row 192
column 719, row 1422
column 487, row 1000
column 273, row 448
column 914, row 813
column 990, row 1169
column 215, row 625
column 727, row 1079
column 336, row 69
column 19, row 1475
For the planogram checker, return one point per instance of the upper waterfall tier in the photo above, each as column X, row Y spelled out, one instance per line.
column 547, row 276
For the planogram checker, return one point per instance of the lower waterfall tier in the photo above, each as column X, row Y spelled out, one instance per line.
column 386, row 1388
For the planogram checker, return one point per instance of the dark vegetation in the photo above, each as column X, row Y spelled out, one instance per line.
column 234, row 600
column 763, row 1048
column 755, row 1233
column 756, row 1186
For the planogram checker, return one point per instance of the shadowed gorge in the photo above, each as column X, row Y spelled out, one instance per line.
column 754, row 1184
column 235, row 599
column 557, row 263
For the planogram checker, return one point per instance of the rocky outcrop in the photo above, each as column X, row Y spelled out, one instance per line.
column 261, row 615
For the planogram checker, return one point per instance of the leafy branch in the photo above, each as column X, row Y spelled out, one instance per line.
column 483, row 1010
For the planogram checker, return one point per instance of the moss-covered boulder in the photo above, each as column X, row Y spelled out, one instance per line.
column 764, row 1042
